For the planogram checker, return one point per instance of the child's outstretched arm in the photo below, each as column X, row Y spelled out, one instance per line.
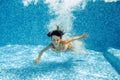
column 84, row 35
column 40, row 54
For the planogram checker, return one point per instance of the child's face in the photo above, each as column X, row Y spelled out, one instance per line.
column 56, row 40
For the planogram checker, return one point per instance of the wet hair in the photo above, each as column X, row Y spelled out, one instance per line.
column 58, row 33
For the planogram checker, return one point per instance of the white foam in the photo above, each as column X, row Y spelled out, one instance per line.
column 110, row 1
column 115, row 52
column 63, row 9
column 79, row 47
column 28, row 2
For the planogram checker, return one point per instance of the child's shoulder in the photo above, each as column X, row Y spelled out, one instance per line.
column 63, row 42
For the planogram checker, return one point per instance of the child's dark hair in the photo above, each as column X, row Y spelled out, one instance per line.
column 56, row 32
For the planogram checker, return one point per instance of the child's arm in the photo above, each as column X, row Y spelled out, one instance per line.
column 40, row 54
column 84, row 35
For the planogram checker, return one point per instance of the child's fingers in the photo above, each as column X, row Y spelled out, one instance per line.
column 37, row 61
column 85, row 35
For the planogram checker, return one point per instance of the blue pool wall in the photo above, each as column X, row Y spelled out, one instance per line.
column 28, row 25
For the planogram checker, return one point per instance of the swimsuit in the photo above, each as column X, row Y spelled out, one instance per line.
column 61, row 48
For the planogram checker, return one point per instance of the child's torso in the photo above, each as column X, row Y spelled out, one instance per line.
column 61, row 47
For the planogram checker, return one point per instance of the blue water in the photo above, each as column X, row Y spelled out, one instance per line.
column 23, row 29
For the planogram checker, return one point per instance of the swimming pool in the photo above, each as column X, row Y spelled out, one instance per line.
column 23, row 28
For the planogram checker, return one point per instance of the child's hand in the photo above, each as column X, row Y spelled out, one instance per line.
column 84, row 35
column 37, row 60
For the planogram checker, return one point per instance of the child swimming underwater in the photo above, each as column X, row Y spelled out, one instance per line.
column 59, row 45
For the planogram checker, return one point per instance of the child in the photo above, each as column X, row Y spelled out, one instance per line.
column 57, row 44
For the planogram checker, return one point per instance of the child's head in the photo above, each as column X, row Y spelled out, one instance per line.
column 58, row 33
column 56, row 36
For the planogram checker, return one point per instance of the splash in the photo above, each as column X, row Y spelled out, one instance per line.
column 110, row 1
column 106, row 1
column 26, row 3
column 115, row 52
column 79, row 47
column 63, row 9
